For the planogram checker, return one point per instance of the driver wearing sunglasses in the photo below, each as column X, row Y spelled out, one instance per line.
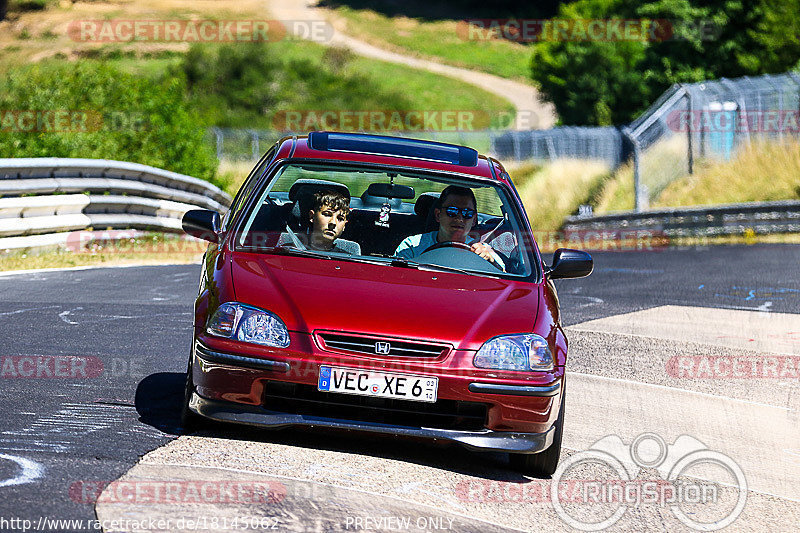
column 456, row 214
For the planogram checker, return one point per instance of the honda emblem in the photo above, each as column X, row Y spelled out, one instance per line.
column 382, row 348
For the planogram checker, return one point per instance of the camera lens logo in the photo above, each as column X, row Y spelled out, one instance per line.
column 691, row 475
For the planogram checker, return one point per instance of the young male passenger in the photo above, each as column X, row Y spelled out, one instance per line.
column 327, row 219
column 456, row 214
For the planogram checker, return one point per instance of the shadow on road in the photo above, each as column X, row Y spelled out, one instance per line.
column 159, row 398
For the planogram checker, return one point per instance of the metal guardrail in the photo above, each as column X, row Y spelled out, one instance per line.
column 729, row 219
column 36, row 211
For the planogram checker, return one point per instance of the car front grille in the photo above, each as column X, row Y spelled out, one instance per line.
column 294, row 398
column 382, row 347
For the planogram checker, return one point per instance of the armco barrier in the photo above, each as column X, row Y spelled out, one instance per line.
column 36, row 209
column 730, row 219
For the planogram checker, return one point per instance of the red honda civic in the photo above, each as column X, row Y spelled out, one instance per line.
column 382, row 285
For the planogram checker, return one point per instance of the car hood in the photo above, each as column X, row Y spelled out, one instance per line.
column 311, row 294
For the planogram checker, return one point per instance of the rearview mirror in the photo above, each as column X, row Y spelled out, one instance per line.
column 202, row 223
column 385, row 190
column 570, row 264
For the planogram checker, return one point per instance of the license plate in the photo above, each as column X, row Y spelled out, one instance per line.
column 378, row 384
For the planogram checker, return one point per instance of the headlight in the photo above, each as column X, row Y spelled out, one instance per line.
column 515, row 352
column 248, row 324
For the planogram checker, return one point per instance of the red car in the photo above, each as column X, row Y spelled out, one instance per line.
column 383, row 285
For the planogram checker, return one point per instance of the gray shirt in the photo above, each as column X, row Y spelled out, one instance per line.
column 342, row 246
column 414, row 245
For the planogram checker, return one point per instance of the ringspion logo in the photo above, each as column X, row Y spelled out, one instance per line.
column 593, row 489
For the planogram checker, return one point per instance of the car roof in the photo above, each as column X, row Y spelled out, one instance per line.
column 383, row 151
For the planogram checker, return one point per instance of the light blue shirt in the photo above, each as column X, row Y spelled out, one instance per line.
column 414, row 245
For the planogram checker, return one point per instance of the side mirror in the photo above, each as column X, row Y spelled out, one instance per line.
column 202, row 223
column 570, row 264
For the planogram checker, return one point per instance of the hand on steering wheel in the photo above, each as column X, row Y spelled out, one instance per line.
column 484, row 251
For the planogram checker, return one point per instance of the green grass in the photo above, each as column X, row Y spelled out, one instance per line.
column 443, row 40
column 149, row 249
column 421, row 90
column 146, row 67
column 425, row 89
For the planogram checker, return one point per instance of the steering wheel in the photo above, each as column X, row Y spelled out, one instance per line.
column 448, row 244
column 476, row 262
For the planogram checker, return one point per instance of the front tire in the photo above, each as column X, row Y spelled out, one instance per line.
column 190, row 421
column 543, row 464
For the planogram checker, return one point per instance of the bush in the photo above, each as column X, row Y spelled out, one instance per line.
column 29, row 5
column 111, row 115
column 245, row 86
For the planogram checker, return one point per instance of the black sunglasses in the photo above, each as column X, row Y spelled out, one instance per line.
column 453, row 211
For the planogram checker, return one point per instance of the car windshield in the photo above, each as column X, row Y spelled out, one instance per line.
column 398, row 218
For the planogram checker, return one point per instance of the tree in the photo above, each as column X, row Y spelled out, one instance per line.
column 599, row 83
column 109, row 114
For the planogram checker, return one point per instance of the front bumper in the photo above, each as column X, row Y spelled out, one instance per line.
column 241, row 379
column 486, row 440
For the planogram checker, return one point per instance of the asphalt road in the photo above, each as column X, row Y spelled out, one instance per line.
column 120, row 338
column 764, row 277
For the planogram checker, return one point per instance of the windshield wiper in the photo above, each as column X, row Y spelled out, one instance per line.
column 405, row 263
column 431, row 266
column 288, row 250
column 402, row 262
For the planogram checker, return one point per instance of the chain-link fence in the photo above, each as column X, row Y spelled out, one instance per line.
column 249, row 145
column 709, row 120
column 603, row 144
column 703, row 120
column 706, row 120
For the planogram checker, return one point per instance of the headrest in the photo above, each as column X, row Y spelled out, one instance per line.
column 303, row 190
column 425, row 202
column 311, row 186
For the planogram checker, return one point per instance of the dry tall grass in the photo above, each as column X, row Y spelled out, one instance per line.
column 760, row 172
column 554, row 191
column 660, row 165
column 233, row 174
